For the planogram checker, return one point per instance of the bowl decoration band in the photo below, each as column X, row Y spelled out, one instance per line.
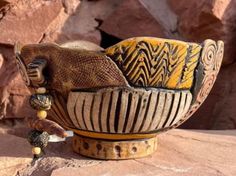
column 127, row 110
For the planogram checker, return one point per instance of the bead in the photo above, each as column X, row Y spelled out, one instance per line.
column 38, row 139
column 42, row 114
column 36, row 150
column 40, row 101
column 41, row 90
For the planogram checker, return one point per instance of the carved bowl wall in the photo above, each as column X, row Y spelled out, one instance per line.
column 168, row 81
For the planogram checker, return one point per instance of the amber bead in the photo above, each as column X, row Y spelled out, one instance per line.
column 42, row 114
column 36, row 150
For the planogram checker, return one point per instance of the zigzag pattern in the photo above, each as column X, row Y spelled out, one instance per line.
column 150, row 62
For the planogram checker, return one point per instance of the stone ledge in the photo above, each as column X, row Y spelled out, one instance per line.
column 180, row 153
column 15, row 154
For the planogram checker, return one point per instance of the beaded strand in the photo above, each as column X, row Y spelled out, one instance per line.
column 41, row 114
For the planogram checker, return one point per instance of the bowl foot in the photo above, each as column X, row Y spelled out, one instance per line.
column 113, row 149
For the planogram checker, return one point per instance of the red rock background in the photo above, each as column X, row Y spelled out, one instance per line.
column 106, row 22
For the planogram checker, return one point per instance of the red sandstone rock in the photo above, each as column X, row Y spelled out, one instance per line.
column 26, row 21
column 58, row 155
column 4, row 6
column 80, row 21
column 132, row 19
column 200, row 19
column 15, row 154
column 19, row 99
column 180, row 153
column 16, row 127
column 13, row 93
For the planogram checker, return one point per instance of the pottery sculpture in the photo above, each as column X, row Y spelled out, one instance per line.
column 117, row 100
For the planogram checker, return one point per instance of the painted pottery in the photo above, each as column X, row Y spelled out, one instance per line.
column 117, row 100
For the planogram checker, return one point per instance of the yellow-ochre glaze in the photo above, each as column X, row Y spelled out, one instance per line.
column 153, row 62
column 111, row 136
column 115, row 150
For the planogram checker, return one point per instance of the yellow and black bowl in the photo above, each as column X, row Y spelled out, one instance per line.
column 118, row 99
column 168, row 80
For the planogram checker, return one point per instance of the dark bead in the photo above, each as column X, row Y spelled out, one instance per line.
column 40, row 101
column 38, row 138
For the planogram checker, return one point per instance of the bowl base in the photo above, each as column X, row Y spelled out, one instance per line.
column 113, row 149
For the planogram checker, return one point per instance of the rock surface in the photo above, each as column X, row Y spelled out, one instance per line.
column 137, row 22
column 79, row 21
column 108, row 22
column 13, row 93
column 26, row 21
column 180, row 152
column 201, row 19
column 15, row 154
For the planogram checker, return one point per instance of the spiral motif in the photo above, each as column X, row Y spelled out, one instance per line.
column 206, row 86
column 209, row 55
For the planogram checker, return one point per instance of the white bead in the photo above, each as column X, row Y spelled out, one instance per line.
column 41, row 90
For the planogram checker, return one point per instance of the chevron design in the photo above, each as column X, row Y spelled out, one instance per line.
column 153, row 62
